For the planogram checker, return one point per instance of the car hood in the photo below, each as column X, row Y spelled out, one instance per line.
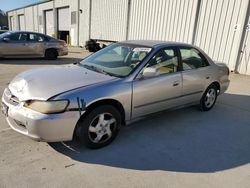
column 45, row 83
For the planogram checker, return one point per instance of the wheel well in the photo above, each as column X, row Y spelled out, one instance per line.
column 217, row 85
column 54, row 49
column 111, row 102
column 91, row 107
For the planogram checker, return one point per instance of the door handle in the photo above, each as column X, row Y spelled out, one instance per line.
column 176, row 83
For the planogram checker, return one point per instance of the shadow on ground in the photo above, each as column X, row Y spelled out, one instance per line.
column 184, row 140
column 39, row 61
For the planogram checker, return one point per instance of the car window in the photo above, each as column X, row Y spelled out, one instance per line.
column 18, row 37
column 114, row 55
column 191, row 59
column 118, row 59
column 35, row 37
column 165, row 60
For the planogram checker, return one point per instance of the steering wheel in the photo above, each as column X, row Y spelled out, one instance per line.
column 134, row 64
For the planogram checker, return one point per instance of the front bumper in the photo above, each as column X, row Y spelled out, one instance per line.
column 38, row 126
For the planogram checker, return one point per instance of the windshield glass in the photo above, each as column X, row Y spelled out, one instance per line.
column 116, row 60
column 4, row 35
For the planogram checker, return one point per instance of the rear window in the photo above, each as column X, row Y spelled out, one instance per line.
column 35, row 37
column 192, row 59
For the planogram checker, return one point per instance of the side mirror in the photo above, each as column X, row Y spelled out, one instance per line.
column 6, row 39
column 150, row 72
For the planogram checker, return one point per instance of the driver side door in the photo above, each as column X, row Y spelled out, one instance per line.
column 160, row 92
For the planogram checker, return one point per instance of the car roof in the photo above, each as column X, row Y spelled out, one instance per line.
column 155, row 43
column 27, row 32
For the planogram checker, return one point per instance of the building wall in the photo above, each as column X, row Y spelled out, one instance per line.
column 11, row 19
column 244, row 56
column 109, row 19
column 84, row 22
column 171, row 20
column 73, row 7
column 35, row 18
column 41, row 18
column 29, row 19
column 218, row 26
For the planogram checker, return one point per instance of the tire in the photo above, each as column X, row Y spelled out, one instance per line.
column 51, row 54
column 209, row 98
column 99, row 127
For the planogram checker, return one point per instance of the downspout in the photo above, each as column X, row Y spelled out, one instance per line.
column 78, row 22
column 128, row 19
column 90, row 11
column 24, row 15
column 196, row 21
column 55, row 20
column 33, row 18
column 38, row 21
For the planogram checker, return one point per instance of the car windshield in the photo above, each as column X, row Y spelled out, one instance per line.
column 116, row 60
column 4, row 35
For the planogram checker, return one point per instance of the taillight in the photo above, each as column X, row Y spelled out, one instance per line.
column 64, row 44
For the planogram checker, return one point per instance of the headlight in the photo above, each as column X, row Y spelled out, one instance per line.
column 47, row 107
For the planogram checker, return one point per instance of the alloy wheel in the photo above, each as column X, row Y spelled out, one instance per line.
column 102, row 127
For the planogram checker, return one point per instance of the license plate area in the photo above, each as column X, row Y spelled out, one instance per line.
column 5, row 109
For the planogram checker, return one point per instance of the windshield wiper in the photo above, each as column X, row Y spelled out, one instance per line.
column 91, row 67
column 96, row 69
column 110, row 74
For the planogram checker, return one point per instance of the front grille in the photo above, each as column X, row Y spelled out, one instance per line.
column 10, row 98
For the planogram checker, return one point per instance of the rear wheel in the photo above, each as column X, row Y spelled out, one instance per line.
column 100, row 127
column 51, row 54
column 209, row 98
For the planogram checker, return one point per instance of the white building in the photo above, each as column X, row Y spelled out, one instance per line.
column 220, row 27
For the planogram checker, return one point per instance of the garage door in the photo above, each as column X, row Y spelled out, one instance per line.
column 63, row 19
column 21, row 22
column 49, row 22
column 12, row 26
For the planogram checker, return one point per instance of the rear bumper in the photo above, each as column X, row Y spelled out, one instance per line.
column 224, row 86
column 63, row 51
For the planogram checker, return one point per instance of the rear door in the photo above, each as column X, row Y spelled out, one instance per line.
column 16, row 46
column 35, row 44
column 196, row 73
column 162, row 91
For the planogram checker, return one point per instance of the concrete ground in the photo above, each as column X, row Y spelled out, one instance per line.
column 182, row 148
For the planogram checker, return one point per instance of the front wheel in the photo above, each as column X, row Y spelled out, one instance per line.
column 209, row 98
column 100, row 127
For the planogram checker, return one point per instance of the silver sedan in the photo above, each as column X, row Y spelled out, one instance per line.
column 120, row 83
column 31, row 44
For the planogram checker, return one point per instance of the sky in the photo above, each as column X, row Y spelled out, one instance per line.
column 6, row 5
